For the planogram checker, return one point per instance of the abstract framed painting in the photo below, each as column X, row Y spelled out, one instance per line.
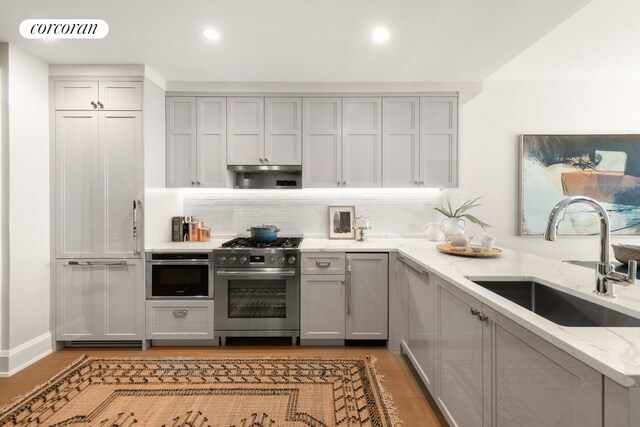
column 603, row 167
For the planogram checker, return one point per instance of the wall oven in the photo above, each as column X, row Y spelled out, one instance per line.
column 179, row 275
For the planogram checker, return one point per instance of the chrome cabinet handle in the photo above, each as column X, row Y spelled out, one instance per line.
column 96, row 263
column 474, row 311
column 348, row 283
column 180, row 313
column 136, row 246
column 94, row 105
column 482, row 317
column 323, row 264
column 416, row 269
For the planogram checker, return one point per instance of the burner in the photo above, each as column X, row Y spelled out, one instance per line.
column 248, row 242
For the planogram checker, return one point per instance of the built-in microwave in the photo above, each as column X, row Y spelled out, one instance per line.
column 179, row 275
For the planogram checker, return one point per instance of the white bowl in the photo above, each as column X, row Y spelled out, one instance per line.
column 625, row 253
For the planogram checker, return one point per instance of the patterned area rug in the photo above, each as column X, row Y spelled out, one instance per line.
column 208, row 392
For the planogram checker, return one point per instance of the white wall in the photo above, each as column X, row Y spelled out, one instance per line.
column 393, row 213
column 28, row 208
column 493, row 123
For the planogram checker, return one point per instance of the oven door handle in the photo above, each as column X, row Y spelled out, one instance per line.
column 257, row 272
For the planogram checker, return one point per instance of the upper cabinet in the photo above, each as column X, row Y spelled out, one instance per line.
column 439, row 141
column 322, row 142
column 264, row 131
column 420, row 141
column 196, row 142
column 93, row 95
column 341, row 142
column 361, row 144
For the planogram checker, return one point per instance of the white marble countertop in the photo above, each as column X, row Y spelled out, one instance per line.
column 615, row 352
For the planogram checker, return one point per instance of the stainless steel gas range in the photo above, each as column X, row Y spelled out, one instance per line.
column 257, row 288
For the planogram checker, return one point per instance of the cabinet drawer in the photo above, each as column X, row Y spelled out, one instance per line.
column 322, row 263
column 179, row 320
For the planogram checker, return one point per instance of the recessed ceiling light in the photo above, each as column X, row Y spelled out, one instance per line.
column 211, row 34
column 380, row 35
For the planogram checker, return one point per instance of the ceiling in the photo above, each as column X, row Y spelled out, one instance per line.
column 297, row 40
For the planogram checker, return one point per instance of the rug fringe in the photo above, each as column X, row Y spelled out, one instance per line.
column 387, row 398
column 19, row 399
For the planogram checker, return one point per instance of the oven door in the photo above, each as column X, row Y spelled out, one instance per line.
column 257, row 299
column 179, row 280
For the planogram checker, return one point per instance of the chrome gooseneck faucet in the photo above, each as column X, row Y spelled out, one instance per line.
column 606, row 276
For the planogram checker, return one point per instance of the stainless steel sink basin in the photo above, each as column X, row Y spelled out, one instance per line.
column 557, row 306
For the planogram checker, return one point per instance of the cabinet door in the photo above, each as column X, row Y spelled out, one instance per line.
column 77, row 183
column 537, row 384
column 400, row 142
column 283, row 142
column 121, row 96
column 122, row 291
column 322, row 306
column 121, row 181
column 181, row 141
column 211, row 150
column 439, row 141
column 245, row 131
column 361, row 147
column 78, row 299
column 459, row 365
column 322, row 142
column 421, row 327
column 76, row 95
column 367, row 296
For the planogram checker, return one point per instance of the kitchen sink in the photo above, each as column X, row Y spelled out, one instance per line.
column 557, row 306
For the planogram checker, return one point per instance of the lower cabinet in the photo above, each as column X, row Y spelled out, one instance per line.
column 352, row 305
column 482, row 368
column 417, row 325
column 99, row 300
column 179, row 319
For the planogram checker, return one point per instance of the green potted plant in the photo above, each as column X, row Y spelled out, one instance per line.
column 455, row 218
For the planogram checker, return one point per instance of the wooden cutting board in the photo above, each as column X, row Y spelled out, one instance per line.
column 448, row 249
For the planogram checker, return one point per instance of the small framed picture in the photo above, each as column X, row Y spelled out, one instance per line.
column 341, row 220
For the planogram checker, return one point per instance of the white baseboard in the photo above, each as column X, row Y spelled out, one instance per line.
column 18, row 358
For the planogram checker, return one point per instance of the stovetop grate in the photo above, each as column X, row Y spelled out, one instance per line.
column 248, row 242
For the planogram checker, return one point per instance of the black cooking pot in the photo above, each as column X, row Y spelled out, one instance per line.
column 264, row 233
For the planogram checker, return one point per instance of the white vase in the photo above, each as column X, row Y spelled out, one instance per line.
column 434, row 231
column 453, row 226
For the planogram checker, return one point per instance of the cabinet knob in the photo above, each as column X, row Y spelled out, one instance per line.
column 344, row 182
column 199, row 183
column 421, row 182
column 193, row 183
column 94, row 105
column 482, row 317
column 100, row 104
column 266, row 160
column 261, row 160
column 474, row 311
column 338, row 183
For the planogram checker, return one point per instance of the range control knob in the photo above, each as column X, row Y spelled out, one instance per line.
column 272, row 259
column 232, row 260
column 222, row 259
column 243, row 260
column 281, row 260
column 291, row 260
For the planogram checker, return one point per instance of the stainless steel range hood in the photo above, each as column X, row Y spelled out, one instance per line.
column 267, row 176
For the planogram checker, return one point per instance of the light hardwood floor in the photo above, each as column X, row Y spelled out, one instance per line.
column 415, row 409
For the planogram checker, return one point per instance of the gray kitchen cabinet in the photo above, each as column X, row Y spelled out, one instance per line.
column 439, row 141
column 322, row 142
column 361, row 142
column 459, row 376
column 536, row 384
column 99, row 300
column 98, row 96
column 179, row 319
column 367, row 296
column 245, row 131
column 196, row 142
column 283, row 131
column 418, row 323
column 401, row 142
column 322, row 303
column 98, row 184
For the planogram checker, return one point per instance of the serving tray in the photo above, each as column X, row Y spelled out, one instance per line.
column 448, row 249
